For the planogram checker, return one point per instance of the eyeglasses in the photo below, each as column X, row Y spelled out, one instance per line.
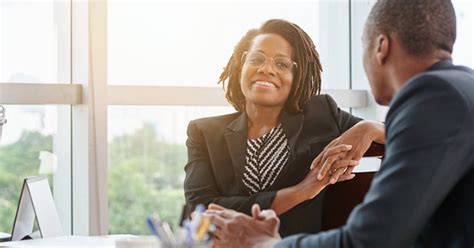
column 281, row 64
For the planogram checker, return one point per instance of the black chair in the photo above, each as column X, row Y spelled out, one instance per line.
column 341, row 198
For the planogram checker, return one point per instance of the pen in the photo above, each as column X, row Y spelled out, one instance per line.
column 202, row 227
column 196, row 217
column 163, row 232
column 168, row 232
column 189, row 233
column 152, row 228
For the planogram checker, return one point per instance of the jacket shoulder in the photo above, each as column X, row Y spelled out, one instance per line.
column 215, row 122
column 453, row 82
column 320, row 105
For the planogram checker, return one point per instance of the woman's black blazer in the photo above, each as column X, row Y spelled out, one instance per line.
column 216, row 159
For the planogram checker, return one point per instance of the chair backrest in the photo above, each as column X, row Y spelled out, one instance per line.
column 341, row 198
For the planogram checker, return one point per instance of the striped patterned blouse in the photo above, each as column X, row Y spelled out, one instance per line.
column 265, row 159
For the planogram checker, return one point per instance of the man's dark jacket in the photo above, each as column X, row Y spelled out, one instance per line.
column 423, row 195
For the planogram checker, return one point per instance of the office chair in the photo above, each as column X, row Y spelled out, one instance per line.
column 342, row 197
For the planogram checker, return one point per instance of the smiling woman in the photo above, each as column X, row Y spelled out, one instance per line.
column 263, row 83
column 148, row 46
column 263, row 152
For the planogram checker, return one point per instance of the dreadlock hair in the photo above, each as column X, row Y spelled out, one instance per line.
column 306, row 75
column 421, row 26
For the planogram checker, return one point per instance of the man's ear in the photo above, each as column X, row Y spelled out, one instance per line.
column 382, row 47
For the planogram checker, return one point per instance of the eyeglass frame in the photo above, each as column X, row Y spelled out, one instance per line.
column 244, row 60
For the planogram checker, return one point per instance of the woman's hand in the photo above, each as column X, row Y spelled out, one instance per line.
column 312, row 185
column 358, row 138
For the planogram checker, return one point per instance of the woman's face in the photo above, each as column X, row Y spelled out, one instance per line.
column 266, row 79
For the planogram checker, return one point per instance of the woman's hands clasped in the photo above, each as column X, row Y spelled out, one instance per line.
column 312, row 184
column 340, row 156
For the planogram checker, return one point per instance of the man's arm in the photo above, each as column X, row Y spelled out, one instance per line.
column 423, row 161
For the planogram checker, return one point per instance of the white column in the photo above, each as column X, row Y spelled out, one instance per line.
column 98, row 174
column 62, row 139
column 90, row 210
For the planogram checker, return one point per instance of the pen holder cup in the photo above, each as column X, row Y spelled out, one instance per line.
column 196, row 245
column 153, row 242
column 138, row 242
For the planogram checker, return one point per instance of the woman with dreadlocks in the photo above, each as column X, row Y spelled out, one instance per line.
column 262, row 153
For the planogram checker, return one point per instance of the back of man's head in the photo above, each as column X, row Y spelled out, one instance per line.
column 421, row 26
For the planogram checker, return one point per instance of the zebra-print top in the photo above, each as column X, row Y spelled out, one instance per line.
column 265, row 158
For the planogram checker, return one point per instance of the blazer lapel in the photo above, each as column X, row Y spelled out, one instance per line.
column 236, row 139
column 292, row 125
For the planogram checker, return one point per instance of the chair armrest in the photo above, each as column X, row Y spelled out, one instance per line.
column 375, row 150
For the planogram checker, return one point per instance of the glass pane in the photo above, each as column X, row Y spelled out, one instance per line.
column 463, row 53
column 147, row 154
column 189, row 42
column 35, row 41
column 32, row 144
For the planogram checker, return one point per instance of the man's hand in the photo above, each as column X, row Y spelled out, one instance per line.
column 236, row 229
column 338, row 157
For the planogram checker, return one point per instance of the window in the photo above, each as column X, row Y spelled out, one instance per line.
column 35, row 49
column 463, row 53
column 35, row 43
column 33, row 143
column 189, row 42
column 147, row 154
column 186, row 42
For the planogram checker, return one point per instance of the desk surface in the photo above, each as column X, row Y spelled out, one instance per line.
column 68, row 241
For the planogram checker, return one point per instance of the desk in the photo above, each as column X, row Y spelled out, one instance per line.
column 4, row 237
column 68, row 241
